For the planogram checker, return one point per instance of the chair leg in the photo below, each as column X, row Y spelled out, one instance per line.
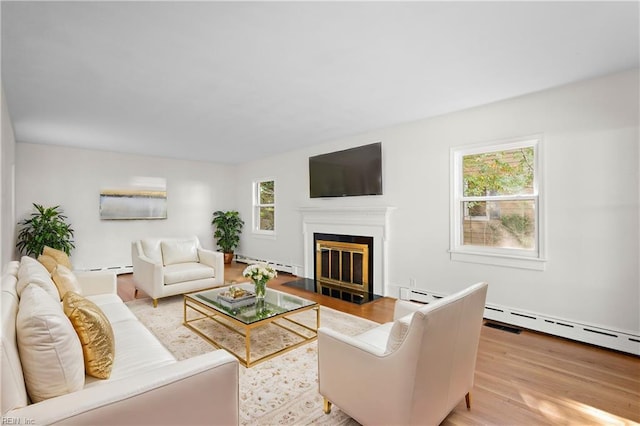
column 467, row 399
column 327, row 406
column 155, row 303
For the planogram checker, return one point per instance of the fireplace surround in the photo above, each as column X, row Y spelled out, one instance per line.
column 371, row 222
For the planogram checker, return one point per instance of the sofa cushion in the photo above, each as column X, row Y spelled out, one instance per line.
column 113, row 307
column 65, row 280
column 33, row 272
column 376, row 336
column 191, row 271
column 95, row 333
column 151, row 249
column 138, row 351
column 179, row 251
column 49, row 348
column 60, row 256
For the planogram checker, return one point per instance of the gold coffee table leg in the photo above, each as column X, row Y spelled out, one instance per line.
column 247, row 344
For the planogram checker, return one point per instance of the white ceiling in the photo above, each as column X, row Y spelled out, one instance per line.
column 233, row 81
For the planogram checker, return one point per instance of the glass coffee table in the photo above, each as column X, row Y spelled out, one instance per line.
column 276, row 309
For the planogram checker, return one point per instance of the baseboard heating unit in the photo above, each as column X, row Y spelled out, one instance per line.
column 281, row 267
column 595, row 335
column 502, row 327
column 118, row 270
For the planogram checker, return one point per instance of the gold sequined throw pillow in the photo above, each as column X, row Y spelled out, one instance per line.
column 95, row 333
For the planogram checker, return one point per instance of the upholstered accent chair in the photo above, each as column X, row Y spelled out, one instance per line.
column 168, row 266
column 422, row 363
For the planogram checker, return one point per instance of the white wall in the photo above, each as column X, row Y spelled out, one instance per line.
column 73, row 179
column 590, row 137
column 591, row 146
column 7, row 161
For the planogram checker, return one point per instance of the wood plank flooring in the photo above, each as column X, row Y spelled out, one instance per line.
column 521, row 379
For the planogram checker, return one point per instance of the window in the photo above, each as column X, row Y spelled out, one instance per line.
column 264, row 211
column 496, row 204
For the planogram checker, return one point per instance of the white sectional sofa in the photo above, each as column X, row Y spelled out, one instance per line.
column 146, row 385
column 168, row 266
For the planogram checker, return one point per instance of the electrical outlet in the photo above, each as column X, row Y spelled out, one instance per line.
column 412, row 282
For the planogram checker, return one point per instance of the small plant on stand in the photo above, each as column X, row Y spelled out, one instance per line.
column 47, row 226
column 227, row 234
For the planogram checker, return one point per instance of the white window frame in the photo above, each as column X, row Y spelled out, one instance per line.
column 517, row 258
column 257, row 206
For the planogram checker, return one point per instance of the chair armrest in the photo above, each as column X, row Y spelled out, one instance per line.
column 359, row 347
column 148, row 275
column 338, row 354
column 199, row 390
column 97, row 282
column 215, row 259
column 333, row 346
column 404, row 307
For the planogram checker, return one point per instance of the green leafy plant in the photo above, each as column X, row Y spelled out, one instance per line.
column 228, row 229
column 519, row 226
column 498, row 173
column 47, row 226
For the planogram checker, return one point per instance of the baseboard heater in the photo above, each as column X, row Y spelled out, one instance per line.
column 281, row 267
column 502, row 327
column 599, row 336
column 117, row 269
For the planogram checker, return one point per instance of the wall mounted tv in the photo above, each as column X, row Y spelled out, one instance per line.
column 348, row 173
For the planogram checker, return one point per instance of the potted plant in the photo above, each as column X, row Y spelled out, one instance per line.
column 47, row 226
column 228, row 228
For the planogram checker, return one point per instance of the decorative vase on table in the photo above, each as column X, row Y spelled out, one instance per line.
column 261, row 288
column 260, row 274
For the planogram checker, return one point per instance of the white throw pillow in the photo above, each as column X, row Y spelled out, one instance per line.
column 33, row 272
column 179, row 251
column 151, row 249
column 50, row 351
column 398, row 332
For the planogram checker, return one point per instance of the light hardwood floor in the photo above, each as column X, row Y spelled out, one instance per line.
column 521, row 379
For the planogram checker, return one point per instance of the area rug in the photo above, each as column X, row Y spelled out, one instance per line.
column 281, row 391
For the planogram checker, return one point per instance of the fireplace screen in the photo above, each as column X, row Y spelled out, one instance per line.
column 343, row 265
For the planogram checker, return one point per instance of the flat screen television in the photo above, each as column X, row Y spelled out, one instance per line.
column 348, row 173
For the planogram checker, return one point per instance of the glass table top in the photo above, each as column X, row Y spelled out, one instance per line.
column 275, row 303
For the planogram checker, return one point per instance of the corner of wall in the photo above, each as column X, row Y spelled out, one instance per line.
column 7, row 184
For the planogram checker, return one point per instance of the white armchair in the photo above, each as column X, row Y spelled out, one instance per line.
column 168, row 266
column 425, row 360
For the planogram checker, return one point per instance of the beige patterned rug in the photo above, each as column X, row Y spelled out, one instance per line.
column 281, row 391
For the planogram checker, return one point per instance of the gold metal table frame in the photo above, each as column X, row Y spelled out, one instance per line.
column 244, row 329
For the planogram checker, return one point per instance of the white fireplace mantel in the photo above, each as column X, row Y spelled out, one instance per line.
column 361, row 221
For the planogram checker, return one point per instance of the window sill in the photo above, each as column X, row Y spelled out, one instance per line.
column 264, row 235
column 531, row 263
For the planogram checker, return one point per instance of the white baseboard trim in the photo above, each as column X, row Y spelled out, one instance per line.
column 596, row 335
column 279, row 266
